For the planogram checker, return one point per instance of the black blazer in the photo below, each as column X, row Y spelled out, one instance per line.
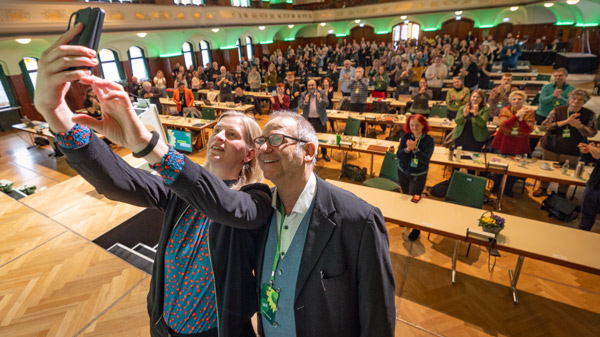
column 347, row 241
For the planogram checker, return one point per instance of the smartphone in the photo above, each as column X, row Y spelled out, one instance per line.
column 416, row 198
column 92, row 19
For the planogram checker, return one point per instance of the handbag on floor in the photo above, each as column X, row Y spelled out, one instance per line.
column 561, row 208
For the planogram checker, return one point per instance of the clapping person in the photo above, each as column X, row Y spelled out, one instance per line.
column 403, row 79
column 280, row 101
column 590, row 206
column 499, row 95
column 456, row 97
column 421, row 97
column 314, row 104
column 471, row 130
column 380, row 82
column 414, row 152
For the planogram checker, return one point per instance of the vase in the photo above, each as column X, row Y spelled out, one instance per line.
column 494, row 230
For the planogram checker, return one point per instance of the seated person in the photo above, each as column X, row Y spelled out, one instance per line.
column 152, row 94
column 91, row 103
column 239, row 97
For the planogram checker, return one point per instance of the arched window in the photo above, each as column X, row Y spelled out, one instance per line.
column 108, row 65
column 205, row 52
column 241, row 3
column 29, row 68
column 240, row 49
column 405, row 31
column 188, row 55
column 249, row 49
column 6, row 95
column 138, row 62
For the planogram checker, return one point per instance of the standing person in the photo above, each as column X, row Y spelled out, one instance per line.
column 499, row 95
column 160, row 82
column 512, row 138
column 468, row 71
column 91, row 104
column 421, row 97
column 183, row 97
column 553, row 95
column 484, row 72
column 240, row 78
column 359, row 89
column 329, row 91
column 380, row 82
column 271, row 78
column 135, row 86
column 292, row 89
column 456, row 97
column 590, row 205
column 254, row 80
column 314, row 104
column 403, row 79
column 203, row 227
column 414, row 152
column 471, row 130
column 566, row 127
column 435, row 75
column 510, row 54
column 224, row 83
column 152, row 94
column 197, row 83
column 280, row 101
column 332, row 74
column 347, row 76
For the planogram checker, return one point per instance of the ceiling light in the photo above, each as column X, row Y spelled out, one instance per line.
column 514, row 8
column 458, row 18
column 362, row 25
column 215, row 30
column 261, row 27
column 572, row 2
column 141, row 34
column 330, row 31
column 505, row 20
column 322, row 24
column 23, row 41
column 405, row 21
column 357, row 21
column 290, row 26
column 458, row 12
column 548, row 4
column 403, row 17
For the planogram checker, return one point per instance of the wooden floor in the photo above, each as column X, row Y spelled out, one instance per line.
column 55, row 282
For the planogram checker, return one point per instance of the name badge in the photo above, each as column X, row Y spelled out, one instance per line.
column 499, row 105
column 414, row 162
column 268, row 302
column 357, row 90
column 566, row 133
column 514, row 131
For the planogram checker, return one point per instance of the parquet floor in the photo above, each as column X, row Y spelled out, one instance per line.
column 55, row 282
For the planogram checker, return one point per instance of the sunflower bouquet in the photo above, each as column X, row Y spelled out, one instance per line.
column 491, row 223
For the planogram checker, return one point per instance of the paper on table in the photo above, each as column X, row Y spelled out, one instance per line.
column 439, row 150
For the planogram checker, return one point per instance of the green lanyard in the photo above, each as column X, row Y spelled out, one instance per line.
column 419, row 141
column 568, row 114
column 276, row 260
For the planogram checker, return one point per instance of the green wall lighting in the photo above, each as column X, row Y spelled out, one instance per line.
column 341, row 35
column 267, row 42
column 290, row 39
column 486, row 26
column 591, row 24
column 381, row 32
column 170, row 55
column 429, row 29
column 228, row 47
column 564, row 23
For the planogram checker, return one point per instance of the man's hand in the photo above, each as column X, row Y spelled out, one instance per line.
column 55, row 78
column 318, row 96
column 590, row 148
column 557, row 93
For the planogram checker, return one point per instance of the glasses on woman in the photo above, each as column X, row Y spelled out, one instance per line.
column 275, row 139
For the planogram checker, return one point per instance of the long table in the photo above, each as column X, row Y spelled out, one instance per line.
column 217, row 106
column 524, row 237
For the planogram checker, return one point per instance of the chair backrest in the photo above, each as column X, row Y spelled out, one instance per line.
column 389, row 167
column 542, row 77
column 438, row 110
column 517, row 78
column 196, row 95
column 466, row 189
column 190, row 112
column 352, row 127
column 208, row 113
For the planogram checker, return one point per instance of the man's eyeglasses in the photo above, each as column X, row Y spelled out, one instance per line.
column 275, row 139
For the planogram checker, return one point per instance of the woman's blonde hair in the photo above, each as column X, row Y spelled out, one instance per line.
column 251, row 172
column 521, row 93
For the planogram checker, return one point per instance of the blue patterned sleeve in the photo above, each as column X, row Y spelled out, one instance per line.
column 75, row 138
column 170, row 166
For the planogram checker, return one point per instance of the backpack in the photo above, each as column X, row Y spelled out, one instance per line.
column 560, row 208
column 344, row 104
column 380, row 107
column 41, row 141
column 354, row 172
column 440, row 189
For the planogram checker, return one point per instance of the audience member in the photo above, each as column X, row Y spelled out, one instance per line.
column 254, row 80
column 510, row 54
column 314, row 104
column 224, row 83
column 435, row 75
column 280, row 101
column 152, row 94
column 359, row 91
column 553, row 95
column 292, row 89
column 456, row 97
column 471, row 130
column 347, row 76
column 160, row 82
column 499, row 96
column 420, row 98
column 91, row 104
column 183, row 97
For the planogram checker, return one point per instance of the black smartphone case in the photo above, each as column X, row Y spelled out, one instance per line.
column 92, row 19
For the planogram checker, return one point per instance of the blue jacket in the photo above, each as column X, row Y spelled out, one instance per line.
column 423, row 153
column 511, row 60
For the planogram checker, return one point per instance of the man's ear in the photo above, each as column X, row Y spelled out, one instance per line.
column 310, row 152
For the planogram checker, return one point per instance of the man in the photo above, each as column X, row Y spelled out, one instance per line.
column 456, row 97
column 254, row 80
column 499, row 95
column 468, row 71
column 394, row 67
column 347, row 75
column 152, row 94
column 553, row 95
column 359, row 89
column 239, row 97
column 292, row 89
column 224, row 84
column 239, row 77
column 510, row 55
column 380, row 82
column 333, row 274
column 590, row 206
column 332, row 74
column 539, row 45
column 214, row 72
column 403, row 79
column 135, row 86
column 435, row 75
column 489, row 40
column 314, row 104
column 183, row 97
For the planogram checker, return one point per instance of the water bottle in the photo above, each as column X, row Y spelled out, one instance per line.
column 338, row 139
column 578, row 170
column 450, row 154
column 565, row 167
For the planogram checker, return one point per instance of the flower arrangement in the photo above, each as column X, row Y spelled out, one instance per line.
column 491, row 223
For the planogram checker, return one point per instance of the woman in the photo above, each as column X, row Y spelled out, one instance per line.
column 280, row 101
column 414, row 152
column 484, row 72
column 194, row 201
column 471, row 130
column 91, row 104
column 271, row 78
column 421, row 97
column 566, row 127
column 516, row 124
column 328, row 88
column 160, row 82
column 197, row 83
